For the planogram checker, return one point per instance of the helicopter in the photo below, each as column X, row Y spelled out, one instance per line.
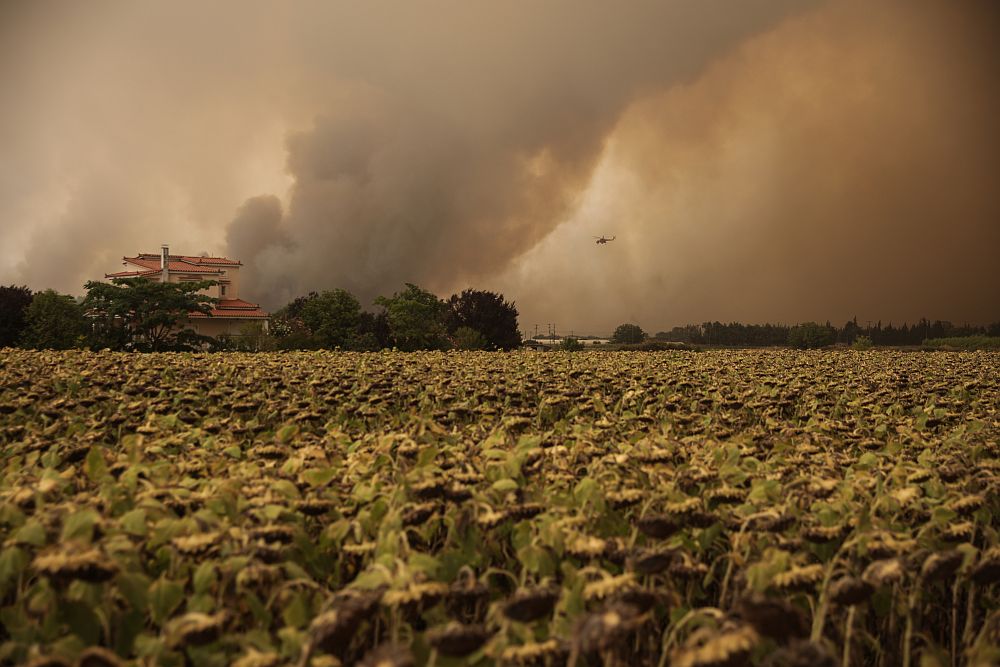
column 601, row 240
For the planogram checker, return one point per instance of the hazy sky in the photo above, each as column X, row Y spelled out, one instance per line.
column 762, row 160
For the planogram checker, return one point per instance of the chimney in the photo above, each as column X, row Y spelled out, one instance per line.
column 164, row 263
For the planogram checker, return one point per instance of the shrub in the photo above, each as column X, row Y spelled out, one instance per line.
column 467, row 338
column 811, row 335
column 570, row 345
column 862, row 343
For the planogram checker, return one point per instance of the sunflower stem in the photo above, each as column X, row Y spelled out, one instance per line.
column 848, row 627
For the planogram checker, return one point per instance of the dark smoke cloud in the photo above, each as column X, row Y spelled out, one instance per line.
column 430, row 142
column 842, row 164
column 757, row 160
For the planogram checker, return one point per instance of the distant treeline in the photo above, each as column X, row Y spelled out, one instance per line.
column 816, row 335
column 144, row 315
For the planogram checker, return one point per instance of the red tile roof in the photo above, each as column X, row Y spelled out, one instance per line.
column 235, row 308
column 188, row 259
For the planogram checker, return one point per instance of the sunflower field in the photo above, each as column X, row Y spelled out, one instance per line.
column 389, row 509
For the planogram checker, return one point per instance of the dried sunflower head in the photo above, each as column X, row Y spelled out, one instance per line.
column 388, row 655
column 798, row 578
column 967, row 505
column 97, row 656
column 941, row 565
column 196, row 629
column 415, row 515
column 491, row 518
column 534, row 653
column 255, row 658
column 959, row 532
column 585, row 546
column 457, row 639
column 710, row 648
column 652, row 561
column 778, row 619
column 660, row 526
column 66, row 564
column 801, row 653
column 315, row 506
column 199, row 544
column 608, row 586
column 604, row 629
column 530, row 604
column 274, row 533
column 849, row 591
column 987, row 570
column 884, row 572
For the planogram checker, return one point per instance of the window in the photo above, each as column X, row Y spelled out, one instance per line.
column 222, row 290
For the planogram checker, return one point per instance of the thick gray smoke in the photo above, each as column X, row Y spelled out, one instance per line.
column 766, row 159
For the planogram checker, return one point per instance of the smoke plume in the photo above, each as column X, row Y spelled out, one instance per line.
column 768, row 159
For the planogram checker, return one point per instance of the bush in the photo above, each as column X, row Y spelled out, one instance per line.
column 862, row 343
column 811, row 335
column 467, row 338
column 570, row 345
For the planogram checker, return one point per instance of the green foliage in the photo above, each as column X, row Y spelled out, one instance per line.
column 628, row 334
column 332, row 317
column 467, row 338
column 14, row 302
column 811, row 335
column 140, row 314
column 487, row 313
column 570, row 345
column 416, row 319
column 54, row 321
column 862, row 343
column 964, row 343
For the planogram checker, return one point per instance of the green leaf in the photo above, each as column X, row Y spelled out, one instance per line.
column 286, row 433
column 94, row 465
column 296, row 613
column 81, row 620
column 536, row 560
column 32, row 533
column 505, row 485
column 286, row 489
column 425, row 563
column 204, row 577
column 134, row 522
column 80, row 525
column 586, row 490
column 134, row 587
column 12, row 562
column 318, row 476
column 164, row 597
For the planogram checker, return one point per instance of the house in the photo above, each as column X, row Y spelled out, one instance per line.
column 229, row 315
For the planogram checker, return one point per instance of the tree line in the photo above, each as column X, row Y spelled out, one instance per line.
column 813, row 334
column 144, row 315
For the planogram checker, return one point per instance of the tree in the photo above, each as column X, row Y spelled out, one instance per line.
column 811, row 335
column 487, row 313
column 333, row 317
column 467, row 338
column 416, row 319
column 628, row 334
column 141, row 314
column 14, row 302
column 54, row 321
